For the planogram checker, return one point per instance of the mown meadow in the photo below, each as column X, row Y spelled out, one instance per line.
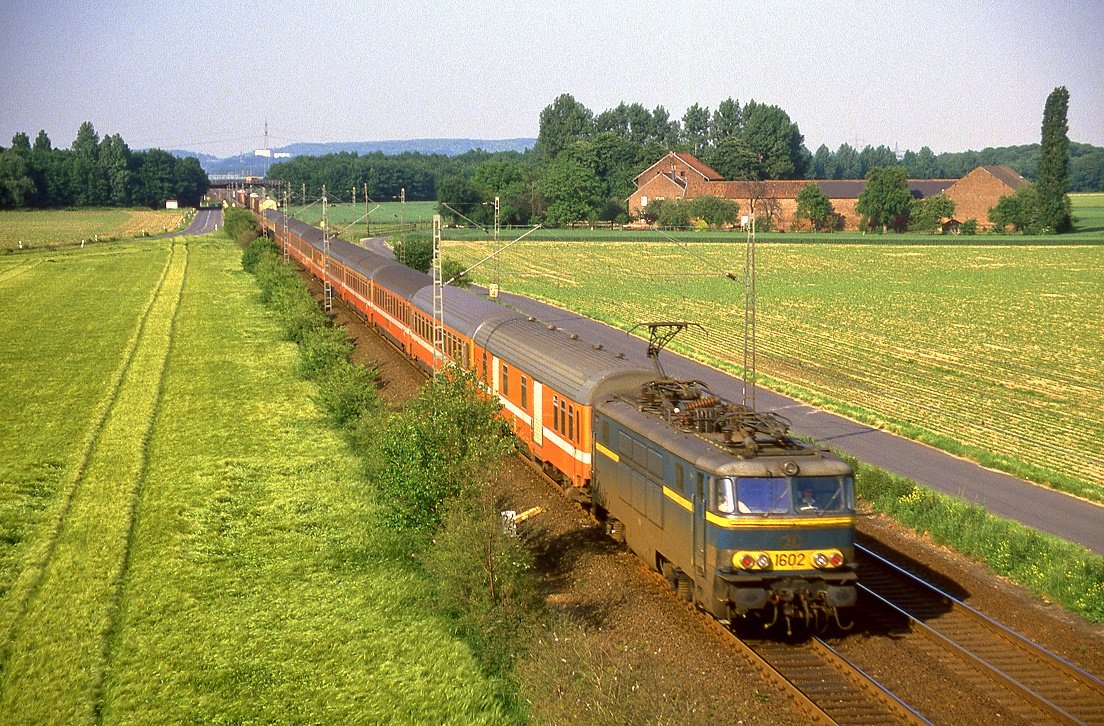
column 184, row 536
column 54, row 228
column 990, row 352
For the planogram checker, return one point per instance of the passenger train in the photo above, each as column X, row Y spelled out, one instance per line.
column 742, row 519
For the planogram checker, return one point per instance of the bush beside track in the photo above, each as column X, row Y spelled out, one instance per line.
column 433, row 464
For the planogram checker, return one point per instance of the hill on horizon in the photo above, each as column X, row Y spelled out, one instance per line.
column 247, row 162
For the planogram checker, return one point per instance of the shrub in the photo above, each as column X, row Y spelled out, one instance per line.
column 348, row 393
column 240, row 225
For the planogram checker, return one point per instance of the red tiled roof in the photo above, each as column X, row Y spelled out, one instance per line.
column 700, row 166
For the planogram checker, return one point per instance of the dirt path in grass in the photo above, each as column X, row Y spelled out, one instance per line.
column 54, row 657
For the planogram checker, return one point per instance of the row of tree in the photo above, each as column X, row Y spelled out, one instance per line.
column 94, row 172
column 584, row 164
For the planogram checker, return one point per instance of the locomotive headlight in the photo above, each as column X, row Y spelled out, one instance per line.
column 828, row 560
column 763, row 561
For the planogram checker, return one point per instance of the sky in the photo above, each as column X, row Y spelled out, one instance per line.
column 207, row 76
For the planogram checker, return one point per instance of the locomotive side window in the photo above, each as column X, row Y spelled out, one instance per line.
column 680, row 477
column 605, row 432
column 724, row 497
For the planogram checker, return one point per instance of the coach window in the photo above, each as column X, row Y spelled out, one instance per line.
column 555, row 413
column 524, row 393
column 484, row 366
column 570, row 423
column 505, row 380
column 563, row 415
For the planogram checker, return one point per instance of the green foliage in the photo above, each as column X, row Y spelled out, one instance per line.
column 95, row 172
column 1053, row 183
column 321, row 348
column 1049, row 566
column 671, row 213
column 348, row 392
column 439, row 450
column 969, row 227
column 485, row 582
column 885, row 200
column 714, row 211
column 1019, row 211
column 241, row 225
column 927, row 215
column 814, row 206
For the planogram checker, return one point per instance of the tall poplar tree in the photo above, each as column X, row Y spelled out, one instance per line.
column 1053, row 181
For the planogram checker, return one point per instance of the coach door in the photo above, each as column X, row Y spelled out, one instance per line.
column 700, row 501
column 538, row 413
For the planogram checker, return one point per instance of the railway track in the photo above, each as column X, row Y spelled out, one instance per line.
column 1031, row 682
column 835, row 685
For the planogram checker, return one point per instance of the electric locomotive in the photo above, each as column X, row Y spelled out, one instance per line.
column 741, row 518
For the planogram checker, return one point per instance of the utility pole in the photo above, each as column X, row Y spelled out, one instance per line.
column 328, row 289
column 366, row 224
column 749, row 318
column 438, row 298
column 287, row 209
column 354, row 194
column 304, row 194
column 402, row 208
column 494, row 291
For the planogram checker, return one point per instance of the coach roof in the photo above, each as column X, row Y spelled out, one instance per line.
column 567, row 364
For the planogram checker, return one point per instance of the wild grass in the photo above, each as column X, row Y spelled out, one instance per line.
column 231, row 568
column 48, row 229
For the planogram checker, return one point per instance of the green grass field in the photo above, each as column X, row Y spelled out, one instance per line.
column 68, row 227
column 990, row 352
column 347, row 219
column 182, row 537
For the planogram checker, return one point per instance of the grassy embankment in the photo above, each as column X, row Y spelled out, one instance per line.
column 184, row 538
column 49, row 229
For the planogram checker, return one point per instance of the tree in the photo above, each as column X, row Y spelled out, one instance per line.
column 695, row 129
column 1019, row 211
column 1052, row 186
column 458, row 193
column 726, row 122
column 927, row 215
column 571, row 188
column 89, row 181
column 564, row 121
column 673, row 213
column 885, row 198
column 733, row 159
column 714, row 211
column 775, row 141
column 814, row 206
column 114, row 157
column 16, row 186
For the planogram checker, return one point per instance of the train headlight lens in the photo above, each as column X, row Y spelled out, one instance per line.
column 747, row 562
column 763, row 561
column 820, row 560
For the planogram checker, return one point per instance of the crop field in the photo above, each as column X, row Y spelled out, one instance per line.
column 345, row 218
column 182, row 536
column 990, row 352
column 66, row 227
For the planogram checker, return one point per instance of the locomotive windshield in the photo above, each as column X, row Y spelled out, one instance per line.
column 803, row 495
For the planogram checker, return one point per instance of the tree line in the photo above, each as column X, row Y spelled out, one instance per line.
column 94, row 172
column 583, row 164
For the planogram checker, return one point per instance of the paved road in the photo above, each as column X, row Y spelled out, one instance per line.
column 205, row 221
column 1006, row 496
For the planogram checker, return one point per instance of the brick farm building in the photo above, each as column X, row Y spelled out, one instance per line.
column 680, row 175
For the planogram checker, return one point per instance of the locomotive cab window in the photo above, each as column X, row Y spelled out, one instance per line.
column 762, row 495
column 816, row 494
